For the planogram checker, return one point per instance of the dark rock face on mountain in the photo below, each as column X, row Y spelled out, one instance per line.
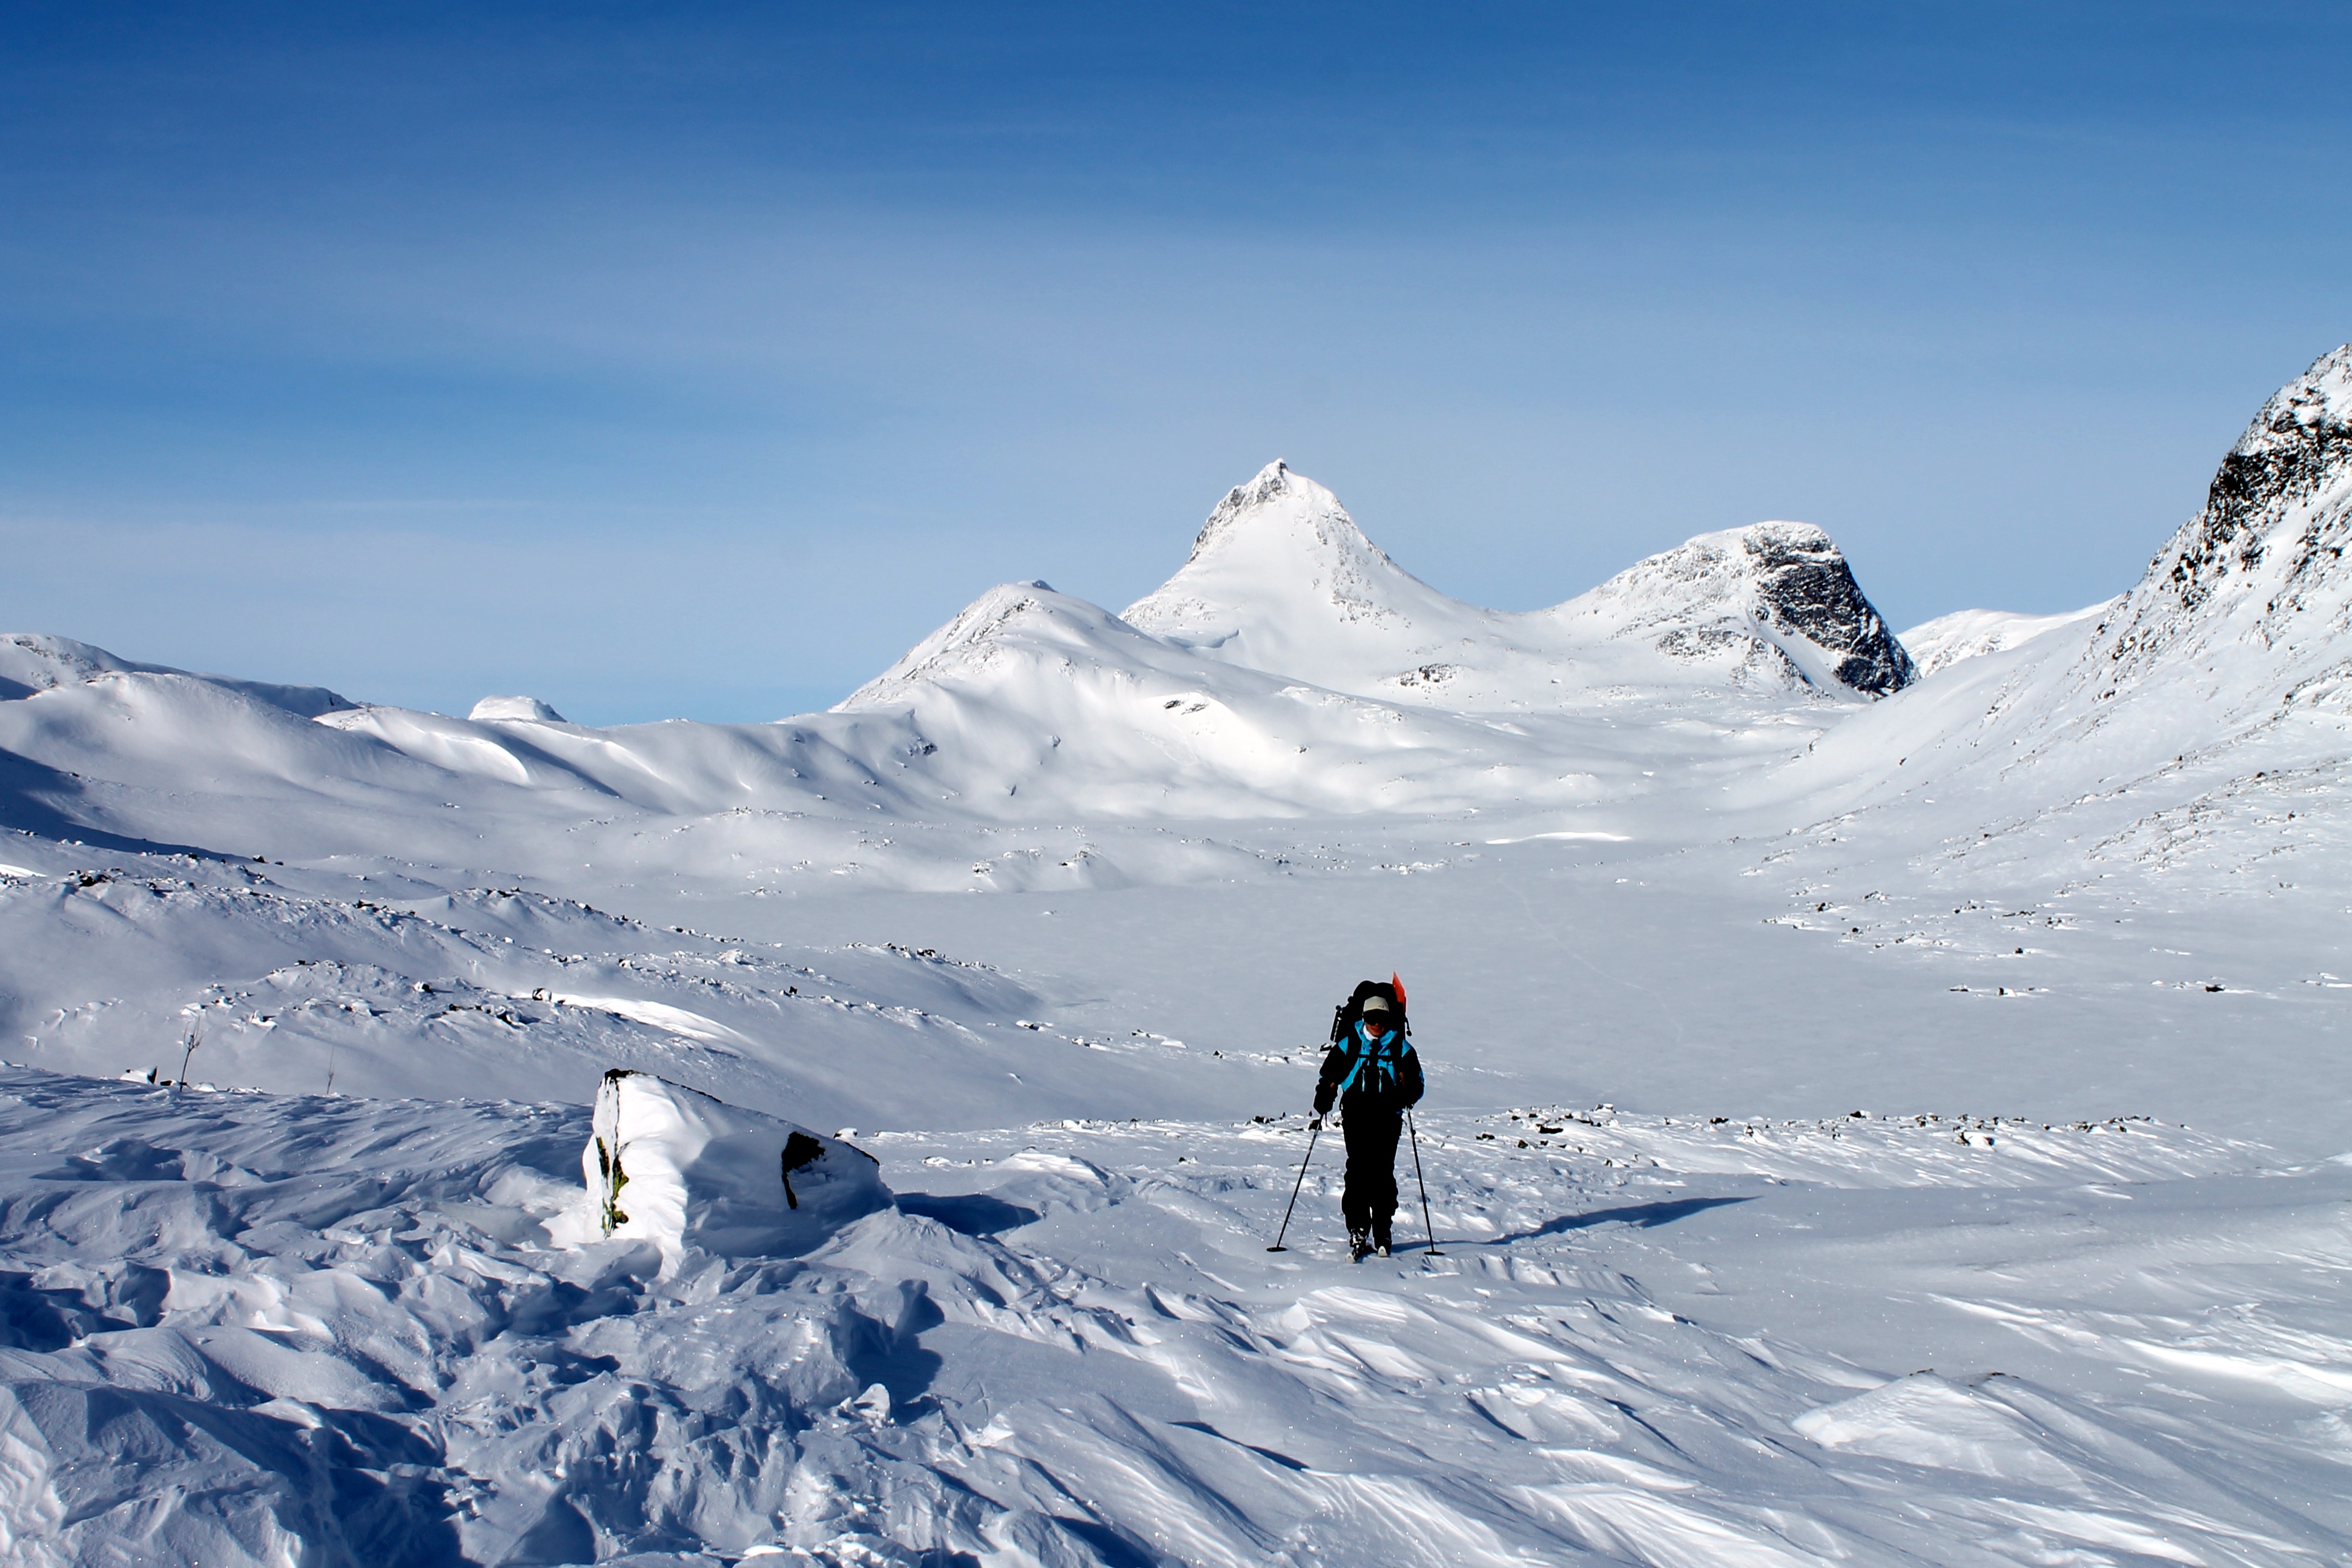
column 1804, row 586
column 2265, row 556
column 1769, row 605
column 2299, row 444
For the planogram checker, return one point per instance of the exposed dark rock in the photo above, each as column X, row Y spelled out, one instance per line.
column 2297, row 446
column 2270, row 507
column 1804, row 586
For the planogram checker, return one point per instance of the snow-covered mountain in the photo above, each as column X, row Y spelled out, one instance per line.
column 1964, row 635
column 1771, row 605
column 528, row 709
column 1281, row 579
column 33, row 662
column 2238, row 635
column 1646, row 848
column 1032, row 692
column 2252, row 598
column 2185, row 750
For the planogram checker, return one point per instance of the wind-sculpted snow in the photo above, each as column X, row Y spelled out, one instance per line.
column 245, row 1328
column 499, row 991
column 343, row 1296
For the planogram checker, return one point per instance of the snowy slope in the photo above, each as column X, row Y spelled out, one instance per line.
column 1034, row 693
column 2238, row 636
column 2175, row 771
column 1770, row 605
column 1281, row 579
column 387, row 987
column 1030, row 707
column 346, row 1309
column 251, row 1330
column 33, row 662
column 1948, row 640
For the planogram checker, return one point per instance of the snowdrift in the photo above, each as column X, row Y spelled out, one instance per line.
column 675, row 1166
column 246, row 1330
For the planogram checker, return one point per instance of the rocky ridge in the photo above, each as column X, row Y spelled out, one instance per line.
column 1281, row 579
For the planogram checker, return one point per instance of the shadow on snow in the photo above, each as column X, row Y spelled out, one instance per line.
column 1644, row 1215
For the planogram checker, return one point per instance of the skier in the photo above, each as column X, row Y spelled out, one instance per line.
column 1371, row 1072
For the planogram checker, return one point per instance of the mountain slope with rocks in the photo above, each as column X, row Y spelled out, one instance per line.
column 1281, row 579
column 1900, row 1133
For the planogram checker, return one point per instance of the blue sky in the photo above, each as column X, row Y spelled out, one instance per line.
column 693, row 362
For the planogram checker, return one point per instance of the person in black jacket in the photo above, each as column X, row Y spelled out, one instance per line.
column 1371, row 1072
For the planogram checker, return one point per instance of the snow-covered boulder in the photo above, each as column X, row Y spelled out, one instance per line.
column 672, row 1166
column 528, row 708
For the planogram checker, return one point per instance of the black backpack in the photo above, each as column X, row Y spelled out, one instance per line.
column 1347, row 1013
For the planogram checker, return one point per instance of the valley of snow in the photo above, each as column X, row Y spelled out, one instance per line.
column 1885, row 1103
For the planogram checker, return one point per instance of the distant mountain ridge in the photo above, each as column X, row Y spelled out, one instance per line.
column 36, row 662
column 1281, row 579
column 1291, row 667
column 2262, row 565
column 1966, row 635
column 2231, row 659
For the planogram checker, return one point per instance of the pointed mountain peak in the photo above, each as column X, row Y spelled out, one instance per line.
column 1281, row 579
column 2313, row 409
column 1280, row 502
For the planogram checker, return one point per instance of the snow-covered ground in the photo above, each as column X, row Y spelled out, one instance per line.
column 250, row 1327
column 1946, row 640
column 1883, row 1106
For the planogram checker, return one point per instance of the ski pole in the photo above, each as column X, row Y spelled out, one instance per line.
column 1312, row 1133
column 1426, row 1229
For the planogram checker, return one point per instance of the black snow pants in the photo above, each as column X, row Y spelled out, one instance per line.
column 1371, row 1194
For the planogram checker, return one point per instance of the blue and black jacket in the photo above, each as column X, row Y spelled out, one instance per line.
column 1372, row 1071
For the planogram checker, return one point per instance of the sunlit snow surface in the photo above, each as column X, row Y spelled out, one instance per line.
column 244, row 1320
column 1895, row 1132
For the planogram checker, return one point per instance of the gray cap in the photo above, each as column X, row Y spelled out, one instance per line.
column 1376, row 1004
